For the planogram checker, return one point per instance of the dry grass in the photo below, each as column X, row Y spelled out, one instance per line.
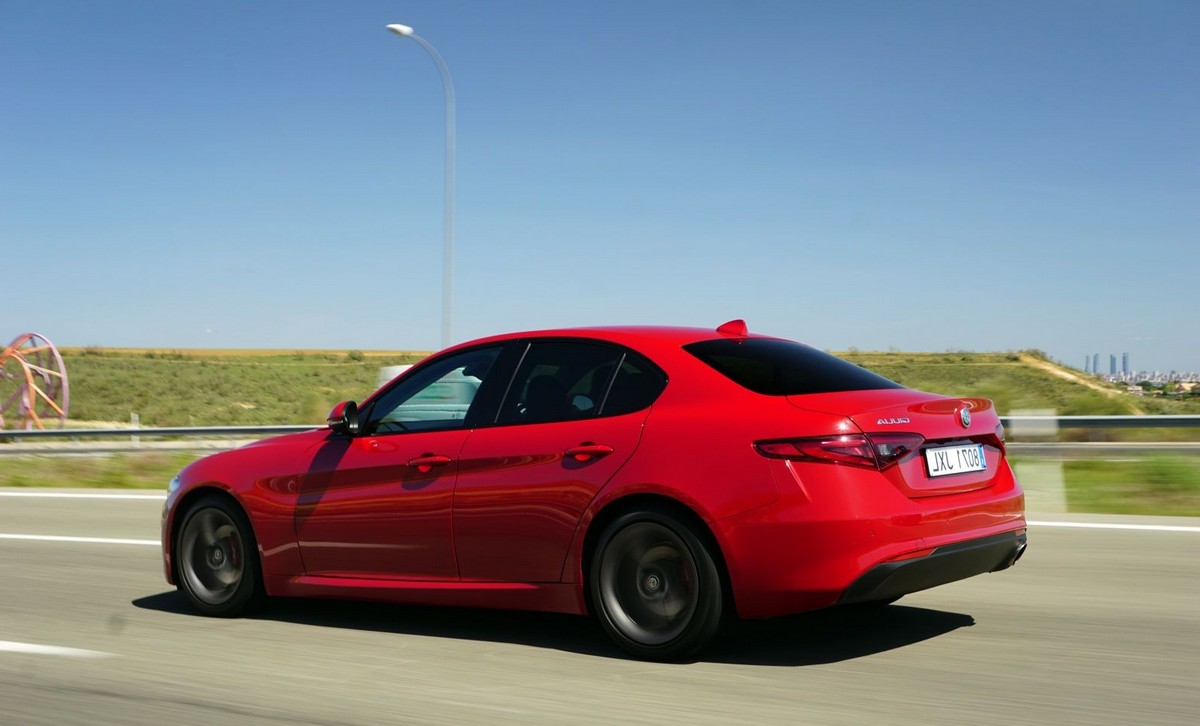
column 120, row 471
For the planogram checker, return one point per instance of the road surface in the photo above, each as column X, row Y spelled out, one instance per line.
column 1093, row 626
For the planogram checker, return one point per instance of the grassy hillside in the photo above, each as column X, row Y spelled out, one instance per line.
column 196, row 388
column 229, row 387
column 1014, row 381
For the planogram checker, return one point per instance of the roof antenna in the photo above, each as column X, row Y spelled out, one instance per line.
column 736, row 328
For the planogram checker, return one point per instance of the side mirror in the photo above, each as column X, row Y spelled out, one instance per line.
column 343, row 419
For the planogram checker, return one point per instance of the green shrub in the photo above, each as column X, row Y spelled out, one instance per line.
column 1170, row 475
column 1160, row 485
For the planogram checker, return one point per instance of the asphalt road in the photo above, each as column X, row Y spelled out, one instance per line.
column 1093, row 626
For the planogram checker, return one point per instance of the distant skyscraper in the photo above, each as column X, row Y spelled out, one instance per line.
column 1112, row 364
column 1125, row 363
column 1087, row 364
column 1095, row 364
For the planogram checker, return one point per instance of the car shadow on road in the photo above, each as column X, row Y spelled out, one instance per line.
column 824, row 636
column 832, row 635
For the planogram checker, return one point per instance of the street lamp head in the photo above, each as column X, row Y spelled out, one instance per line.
column 398, row 29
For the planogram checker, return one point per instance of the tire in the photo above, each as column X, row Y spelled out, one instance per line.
column 217, row 558
column 655, row 587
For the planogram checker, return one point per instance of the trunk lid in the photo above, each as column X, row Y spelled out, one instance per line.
column 961, row 451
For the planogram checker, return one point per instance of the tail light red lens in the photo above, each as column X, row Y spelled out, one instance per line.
column 891, row 448
column 999, row 441
column 874, row 451
column 850, row 449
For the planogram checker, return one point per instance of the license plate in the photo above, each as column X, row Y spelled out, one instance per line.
column 946, row 460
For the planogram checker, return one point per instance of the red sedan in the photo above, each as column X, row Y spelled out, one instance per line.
column 660, row 478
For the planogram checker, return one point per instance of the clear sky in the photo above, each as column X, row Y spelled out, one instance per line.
column 913, row 175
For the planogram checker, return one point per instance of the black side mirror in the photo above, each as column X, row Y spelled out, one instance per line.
column 343, row 419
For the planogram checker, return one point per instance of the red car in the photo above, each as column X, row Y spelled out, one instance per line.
column 660, row 478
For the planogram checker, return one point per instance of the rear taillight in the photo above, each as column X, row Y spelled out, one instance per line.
column 850, row 449
column 891, row 448
column 874, row 451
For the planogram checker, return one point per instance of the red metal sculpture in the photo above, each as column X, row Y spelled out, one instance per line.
column 33, row 383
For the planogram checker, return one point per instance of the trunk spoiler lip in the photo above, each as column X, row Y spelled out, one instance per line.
column 861, row 403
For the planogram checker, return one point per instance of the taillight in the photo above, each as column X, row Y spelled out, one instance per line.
column 852, row 449
column 891, row 448
column 874, row 451
column 1000, row 438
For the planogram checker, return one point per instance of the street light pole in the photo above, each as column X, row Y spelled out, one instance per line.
column 405, row 31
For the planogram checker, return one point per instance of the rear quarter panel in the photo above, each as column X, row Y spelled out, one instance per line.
column 697, row 448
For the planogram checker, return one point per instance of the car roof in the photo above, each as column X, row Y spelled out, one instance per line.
column 643, row 337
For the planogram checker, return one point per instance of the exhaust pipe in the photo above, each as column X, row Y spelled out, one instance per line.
column 1011, row 560
column 1020, row 552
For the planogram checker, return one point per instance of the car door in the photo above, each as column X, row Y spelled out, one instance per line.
column 571, row 418
column 379, row 504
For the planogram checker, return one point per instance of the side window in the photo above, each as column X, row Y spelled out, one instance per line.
column 436, row 397
column 559, row 381
column 637, row 384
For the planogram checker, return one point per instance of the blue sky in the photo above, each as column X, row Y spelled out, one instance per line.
column 920, row 175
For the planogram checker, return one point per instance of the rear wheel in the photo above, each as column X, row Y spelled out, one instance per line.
column 655, row 586
column 217, row 558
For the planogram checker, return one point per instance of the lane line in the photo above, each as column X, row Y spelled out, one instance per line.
column 82, row 540
column 9, row 646
column 77, row 495
column 1113, row 525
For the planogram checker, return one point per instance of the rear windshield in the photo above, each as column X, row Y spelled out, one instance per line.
column 784, row 368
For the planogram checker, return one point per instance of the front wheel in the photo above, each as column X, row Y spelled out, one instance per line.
column 655, row 586
column 217, row 558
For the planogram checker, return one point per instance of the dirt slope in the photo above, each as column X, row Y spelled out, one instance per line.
column 1061, row 372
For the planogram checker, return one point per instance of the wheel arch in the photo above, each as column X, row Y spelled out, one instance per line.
column 657, row 502
column 186, row 502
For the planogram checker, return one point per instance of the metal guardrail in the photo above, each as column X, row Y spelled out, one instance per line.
column 1106, row 422
column 1062, row 422
column 198, row 439
column 160, row 432
column 1099, row 449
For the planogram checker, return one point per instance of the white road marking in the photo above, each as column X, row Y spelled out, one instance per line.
column 78, row 495
column 1113, row 525
column 8, row 646
column 156, row 543
column 82, row 540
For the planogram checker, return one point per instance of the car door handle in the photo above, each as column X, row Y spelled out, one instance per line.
column 587, row 450
column 427, row 462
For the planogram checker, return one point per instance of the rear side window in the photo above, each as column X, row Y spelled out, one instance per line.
column 637, row 384
column 784, row 368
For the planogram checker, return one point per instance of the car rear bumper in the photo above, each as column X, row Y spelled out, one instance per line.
column 944, row 564
column 843, row 534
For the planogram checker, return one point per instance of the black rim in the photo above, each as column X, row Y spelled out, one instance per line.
column 212, row 556
column 648, row 583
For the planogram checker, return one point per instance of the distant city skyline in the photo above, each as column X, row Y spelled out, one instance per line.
column 923, row 176
column 1091, row 363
